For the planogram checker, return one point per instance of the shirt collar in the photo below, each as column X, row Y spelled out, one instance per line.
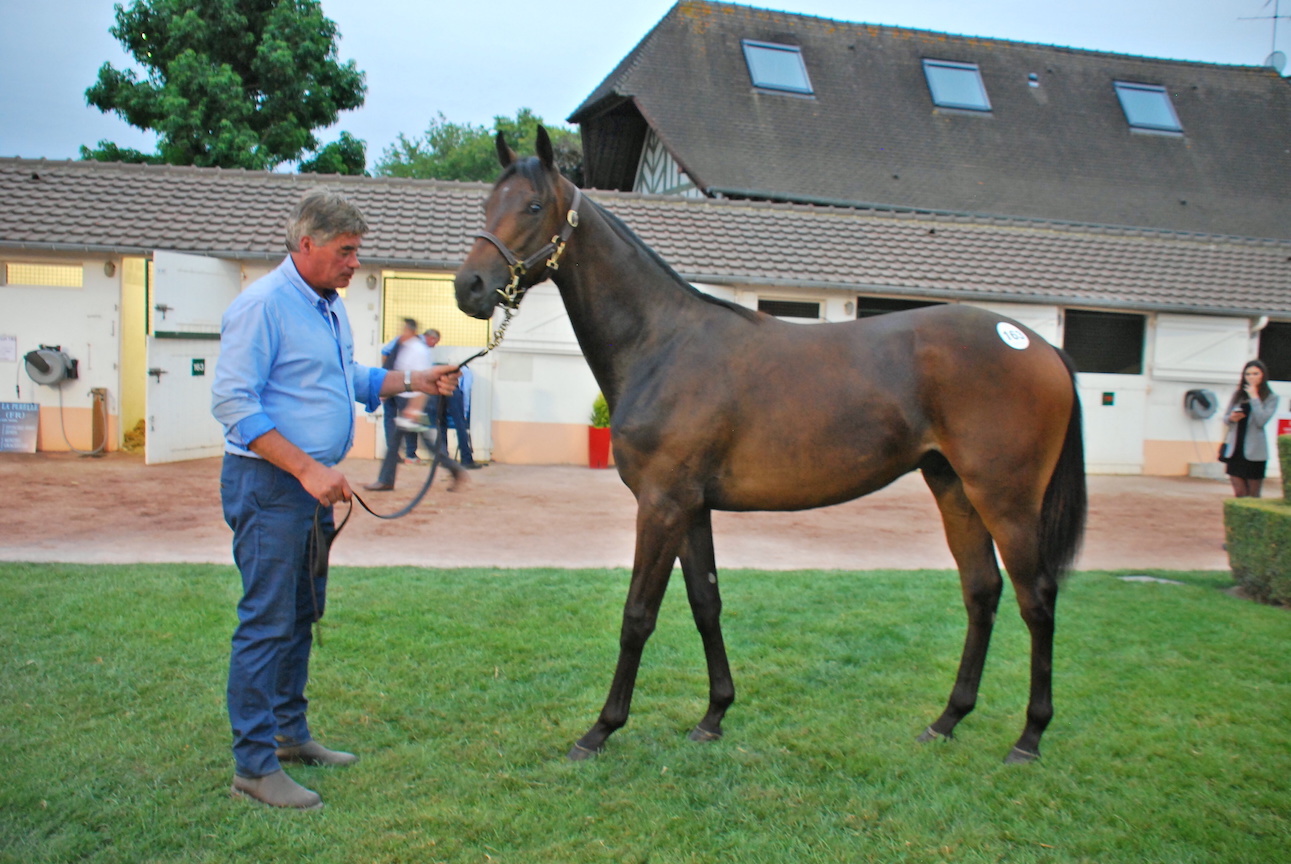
column 325, row 299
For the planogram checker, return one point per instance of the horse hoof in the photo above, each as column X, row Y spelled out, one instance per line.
column 931, row 734
column 1018, row 756
column 579, row 753
column 699, row 733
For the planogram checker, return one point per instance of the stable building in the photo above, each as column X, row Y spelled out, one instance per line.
column 128, row 268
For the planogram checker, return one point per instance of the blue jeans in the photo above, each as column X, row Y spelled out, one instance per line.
column 457, row 417
column 396, row 439
column 272, row 517
column 390, row 409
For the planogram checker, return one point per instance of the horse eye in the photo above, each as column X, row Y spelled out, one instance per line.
column 535, row 207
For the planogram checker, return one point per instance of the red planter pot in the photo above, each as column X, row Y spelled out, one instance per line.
column 598, row 447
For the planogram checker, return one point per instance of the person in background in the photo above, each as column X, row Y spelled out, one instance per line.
column 456, row 413
column 1246, row 446
column 410, row 353
column 456, row 406
column 284, row 390
column 390, row 408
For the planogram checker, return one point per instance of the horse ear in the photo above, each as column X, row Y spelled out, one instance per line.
column 505, row 154
column 545, row 154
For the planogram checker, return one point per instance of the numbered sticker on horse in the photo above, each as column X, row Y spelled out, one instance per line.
column 1012, row 336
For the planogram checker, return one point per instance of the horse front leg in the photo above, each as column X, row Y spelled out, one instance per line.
column 699, row 566
column 659, row 537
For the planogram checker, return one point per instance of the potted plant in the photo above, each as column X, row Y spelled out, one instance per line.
column 598, row 434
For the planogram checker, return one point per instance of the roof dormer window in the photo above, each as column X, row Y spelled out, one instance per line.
column 776, row 67
column 1147, row 107
column 956, row 85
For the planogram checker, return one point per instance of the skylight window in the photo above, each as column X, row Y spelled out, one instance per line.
column 776, row 67
column 956, row 85
column 1147, row 106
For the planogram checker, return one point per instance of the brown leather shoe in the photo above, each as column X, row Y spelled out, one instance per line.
column 378, row 487
column 313, row 753
column 276, row 790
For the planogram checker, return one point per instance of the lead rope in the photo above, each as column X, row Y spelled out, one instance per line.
column 320, row 544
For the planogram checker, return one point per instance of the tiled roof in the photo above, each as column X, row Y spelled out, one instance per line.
column 870, row 134
column 111, row 207
column 145, row 207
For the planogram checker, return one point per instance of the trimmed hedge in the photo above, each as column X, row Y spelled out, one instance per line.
column 1284, row 454
column 1259, row 539
column 1259, row 547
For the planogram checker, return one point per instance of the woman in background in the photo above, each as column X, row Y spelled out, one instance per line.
column 1246, row 447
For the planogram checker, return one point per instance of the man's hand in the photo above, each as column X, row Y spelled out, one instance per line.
column 326, row 484
column 437, row 381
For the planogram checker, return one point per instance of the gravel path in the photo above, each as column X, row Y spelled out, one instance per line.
column 63, row 507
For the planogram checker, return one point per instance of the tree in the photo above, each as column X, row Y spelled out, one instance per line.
column 460, row 151
column 230, row 83
column 348, row 155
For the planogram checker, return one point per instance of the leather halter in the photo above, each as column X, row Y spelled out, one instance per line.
column 513, row 293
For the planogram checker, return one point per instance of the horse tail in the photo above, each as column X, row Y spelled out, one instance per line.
column 1066, row 503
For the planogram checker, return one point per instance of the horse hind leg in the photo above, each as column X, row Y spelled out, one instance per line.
column 979, row 576
column 699, row 566
column 1037, row 593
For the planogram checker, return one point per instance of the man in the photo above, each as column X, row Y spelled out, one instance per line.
column 284, row 390
column 390, row 407
column 457, row 409
column 410, row 353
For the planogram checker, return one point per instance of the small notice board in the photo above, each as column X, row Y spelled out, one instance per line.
column 18, row 425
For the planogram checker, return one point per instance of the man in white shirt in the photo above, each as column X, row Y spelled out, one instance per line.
column 411, row 354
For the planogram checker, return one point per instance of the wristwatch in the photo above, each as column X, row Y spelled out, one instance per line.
column 407, row 379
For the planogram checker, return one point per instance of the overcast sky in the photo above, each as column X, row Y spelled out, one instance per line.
column 474, row 59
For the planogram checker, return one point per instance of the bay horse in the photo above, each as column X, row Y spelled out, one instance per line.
column 718, row 407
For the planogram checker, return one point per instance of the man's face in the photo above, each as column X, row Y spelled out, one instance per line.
column 432, row 339
column 330, row 265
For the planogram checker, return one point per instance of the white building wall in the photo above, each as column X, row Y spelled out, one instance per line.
column 85, row 321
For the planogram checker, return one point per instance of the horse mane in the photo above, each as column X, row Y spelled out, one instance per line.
column 628, row 235
column 532, row 169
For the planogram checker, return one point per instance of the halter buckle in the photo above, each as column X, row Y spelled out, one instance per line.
column 553, row 263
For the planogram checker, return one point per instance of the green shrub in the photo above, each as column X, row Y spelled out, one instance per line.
column 600, row 418
column 1259, row 547
column 1284, row 456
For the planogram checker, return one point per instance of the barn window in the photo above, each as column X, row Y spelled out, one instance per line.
column 45, row 275
column 1275, row 350
column 956, row 85
column 803, row 309
column 868, row 307
column 776, row 67
column 1104, row 342
column 1147, row 107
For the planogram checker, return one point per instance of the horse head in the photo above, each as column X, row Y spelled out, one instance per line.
column 528, row 218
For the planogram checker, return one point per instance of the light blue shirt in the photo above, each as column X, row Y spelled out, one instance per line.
column 287, row 363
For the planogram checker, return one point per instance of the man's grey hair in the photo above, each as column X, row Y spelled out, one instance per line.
column 322, row 214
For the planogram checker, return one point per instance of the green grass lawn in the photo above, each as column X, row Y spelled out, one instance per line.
column 463, row 689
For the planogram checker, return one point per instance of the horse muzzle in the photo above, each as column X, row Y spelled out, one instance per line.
column 477, row 293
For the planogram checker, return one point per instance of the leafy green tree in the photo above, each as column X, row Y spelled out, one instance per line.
column 347, row 155
column 229, row 83
column 461, row 151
